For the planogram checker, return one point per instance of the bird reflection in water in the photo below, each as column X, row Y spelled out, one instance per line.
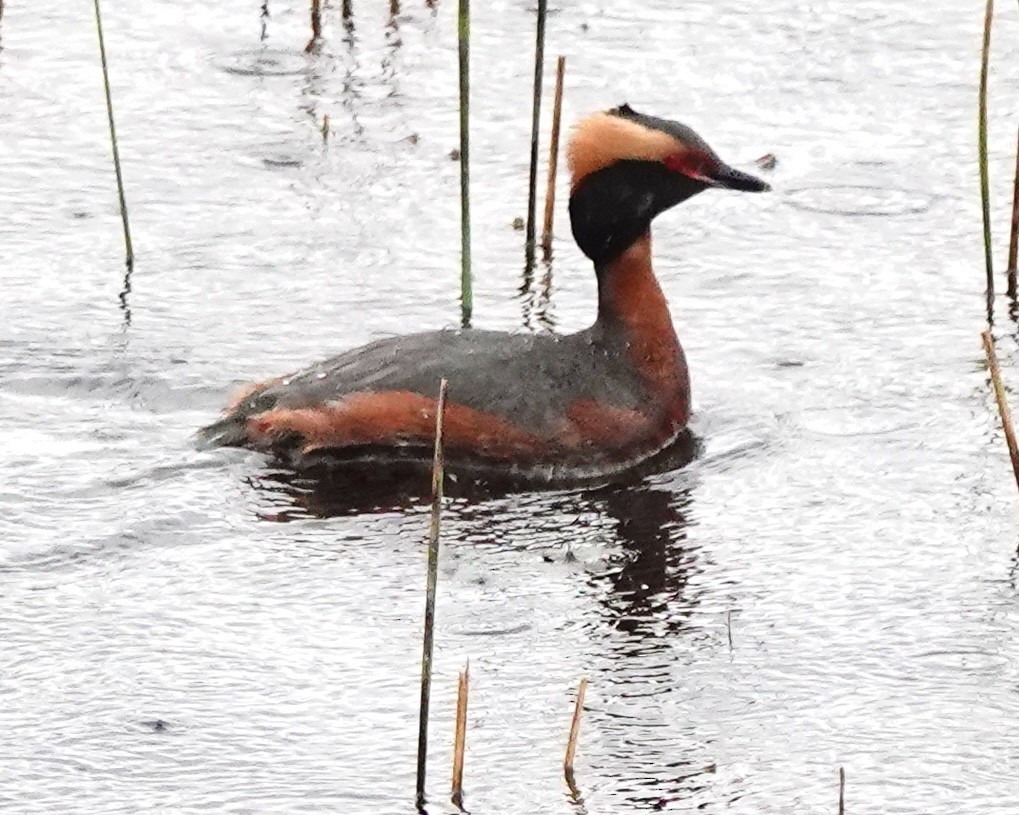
column 362, row 487
column 649, row 575
column 644, row 586
column 648, row 596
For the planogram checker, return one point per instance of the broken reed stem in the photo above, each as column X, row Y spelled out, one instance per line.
column 532, row 183
column 1013, row 238
column 842, row 791
column 999, row 394
column 460, row 739
column 553, row 157
column 433, row 576
column 316, row 26
column 571, row 745
column 464, row 53
column 985, row 199
column 129, row 252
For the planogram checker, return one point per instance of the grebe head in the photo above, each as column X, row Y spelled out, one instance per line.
column 626, row 168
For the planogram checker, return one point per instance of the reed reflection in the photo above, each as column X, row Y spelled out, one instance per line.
column 392, row 47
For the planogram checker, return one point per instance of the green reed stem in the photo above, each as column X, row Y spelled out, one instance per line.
column 438, row 464
column 113, row 141
column 464, row 53
column 1013, row 238
column 532, row 184
column 985, row 198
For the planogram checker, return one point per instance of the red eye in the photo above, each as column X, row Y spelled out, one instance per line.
column 692, row 164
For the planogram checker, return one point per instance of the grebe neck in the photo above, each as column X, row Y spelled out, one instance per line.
column 634, row 320
column 628, row 292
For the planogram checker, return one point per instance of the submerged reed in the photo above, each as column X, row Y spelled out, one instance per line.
column 553, row 158
column 1002, row 399
column 982, row 154
column 438, row 465
column 532, row 183
column 129, row 251
column 464, row 60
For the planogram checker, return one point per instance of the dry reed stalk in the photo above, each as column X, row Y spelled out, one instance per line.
column 532, row 183
column 438, row 465
column 999, row 394
column 129, row 251
column 325, row 127
column 460, row 739
column 571, row 745
column 985, row 199
column 842, row 791
column 1013, row 238
column 553, row 158
column 464, row 65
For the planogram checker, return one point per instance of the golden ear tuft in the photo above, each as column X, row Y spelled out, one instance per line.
column 602, row 139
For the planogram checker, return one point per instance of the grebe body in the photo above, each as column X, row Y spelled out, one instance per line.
column 538, row 408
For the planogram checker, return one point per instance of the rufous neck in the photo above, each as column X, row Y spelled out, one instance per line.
column 628, row 292
column 634, row 319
